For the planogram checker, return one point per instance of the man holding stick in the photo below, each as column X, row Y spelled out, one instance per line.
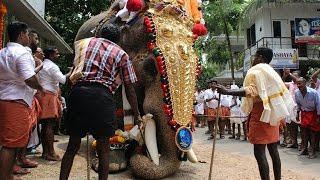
column 267, row 100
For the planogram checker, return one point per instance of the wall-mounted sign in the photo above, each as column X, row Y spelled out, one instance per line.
column 307, row 30
column 285, row 58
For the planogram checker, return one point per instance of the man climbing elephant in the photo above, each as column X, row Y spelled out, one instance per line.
column 91, row 106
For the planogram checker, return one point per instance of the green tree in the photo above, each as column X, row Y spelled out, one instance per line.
column 66, row 17
column 222, row 17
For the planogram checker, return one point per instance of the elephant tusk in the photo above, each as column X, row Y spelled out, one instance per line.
column 192, row 156
column 151, row 139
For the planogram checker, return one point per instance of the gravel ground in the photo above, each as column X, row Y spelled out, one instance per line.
column 226, row 166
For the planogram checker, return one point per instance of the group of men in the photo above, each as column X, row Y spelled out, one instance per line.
column 306, row 114
column 29, row 94
column 24, row 99
column 230, row 113
column 269, row 103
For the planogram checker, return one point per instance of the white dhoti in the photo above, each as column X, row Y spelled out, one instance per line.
column 34, row 138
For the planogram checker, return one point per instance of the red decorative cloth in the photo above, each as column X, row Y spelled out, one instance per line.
column 308, row 120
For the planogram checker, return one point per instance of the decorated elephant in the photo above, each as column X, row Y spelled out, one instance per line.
column 159, row 41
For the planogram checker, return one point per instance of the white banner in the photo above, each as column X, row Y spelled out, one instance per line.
column 285, row 58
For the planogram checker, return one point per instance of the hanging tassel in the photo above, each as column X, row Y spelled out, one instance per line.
column 134, row 5
column 199, row 29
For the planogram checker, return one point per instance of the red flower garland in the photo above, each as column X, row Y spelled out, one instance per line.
column 3, row 12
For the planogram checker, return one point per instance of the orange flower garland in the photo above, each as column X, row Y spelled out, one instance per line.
column 3, row 12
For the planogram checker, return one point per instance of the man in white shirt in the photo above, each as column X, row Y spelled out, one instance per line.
column 17, row 85
column 50, row 77
column 22, row 160
column 225, row 111
column 210, row 97
column 199, row 108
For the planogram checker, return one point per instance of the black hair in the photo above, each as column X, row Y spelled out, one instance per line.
column 48, row 51
column 265, row 53
column 298, row 72
column 14, row 30
column 214, row 81
column 32, row 31
column 111, row 32
column 302, row 79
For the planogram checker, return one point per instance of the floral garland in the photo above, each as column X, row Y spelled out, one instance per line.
column 3, row 12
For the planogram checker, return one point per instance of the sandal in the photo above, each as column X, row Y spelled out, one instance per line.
column 19, row 170
column 27, row 163
column 283, row 145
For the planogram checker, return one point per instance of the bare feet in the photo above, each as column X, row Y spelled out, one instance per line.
column 53, row 157
column 312, row 155
column 27, row 163
column 303, row 152
column 19, row 170
column 210, row 137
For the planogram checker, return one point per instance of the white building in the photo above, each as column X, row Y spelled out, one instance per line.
column 32, row 13
column 272, row 24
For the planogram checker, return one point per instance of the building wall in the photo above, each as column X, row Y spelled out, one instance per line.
column 38, row 5
column 263, row 19
column 284, row 13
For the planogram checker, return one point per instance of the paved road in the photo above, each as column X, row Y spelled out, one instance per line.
column 289, row 157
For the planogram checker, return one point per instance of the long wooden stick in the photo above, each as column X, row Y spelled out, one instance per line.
column 214, row 138
column 88, row 157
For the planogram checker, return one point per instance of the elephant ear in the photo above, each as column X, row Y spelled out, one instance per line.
column 134, row 5
column 149, row 67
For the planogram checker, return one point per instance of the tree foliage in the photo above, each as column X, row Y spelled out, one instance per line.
column 222, row 18
column 66, row 17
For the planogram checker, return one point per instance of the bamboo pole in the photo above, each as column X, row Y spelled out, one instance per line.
column 214, row 138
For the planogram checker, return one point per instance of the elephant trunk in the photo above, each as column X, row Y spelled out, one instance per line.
column 141, row 165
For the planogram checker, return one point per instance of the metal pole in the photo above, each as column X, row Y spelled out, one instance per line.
column 88, row 157
column 215, row 137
